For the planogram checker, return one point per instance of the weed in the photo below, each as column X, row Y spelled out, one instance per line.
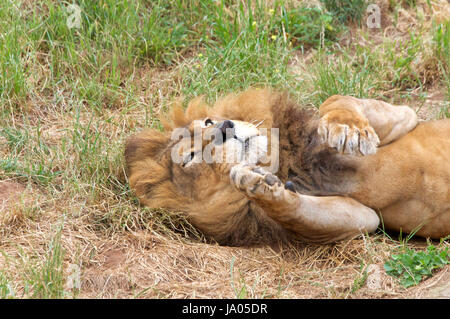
column 46, row 280
column 241, row 293
column 307, row 27
column 404, row 55
column 411, row 266
column 341, row 77
column 6, row 291
column 444, row 112
column 360, row 280
column 346, row 10
column 441, row 48
column 241, row 54
column 441, row 41
column 16, row 139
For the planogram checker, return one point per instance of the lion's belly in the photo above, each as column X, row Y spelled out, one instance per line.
column 409, row 181
column 414, row 216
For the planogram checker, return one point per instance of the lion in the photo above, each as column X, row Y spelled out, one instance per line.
column 341, row 171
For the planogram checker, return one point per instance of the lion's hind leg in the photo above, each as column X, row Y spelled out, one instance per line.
column 311, row 218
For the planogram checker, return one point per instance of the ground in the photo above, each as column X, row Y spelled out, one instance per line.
column 70, row 95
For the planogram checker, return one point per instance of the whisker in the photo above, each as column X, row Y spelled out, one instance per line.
column 259, row 123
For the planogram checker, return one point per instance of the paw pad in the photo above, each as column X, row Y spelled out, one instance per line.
column 271, row 179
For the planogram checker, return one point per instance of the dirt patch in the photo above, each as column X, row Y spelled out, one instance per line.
column 13, row 197
column 436, row 287
column 431, row 106
column 9, row 191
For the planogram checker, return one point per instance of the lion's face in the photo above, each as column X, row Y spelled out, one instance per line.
column 207, row 149
column 217, row 144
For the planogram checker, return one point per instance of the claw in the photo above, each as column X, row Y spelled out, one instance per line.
column 347, row 138
column 352, row 142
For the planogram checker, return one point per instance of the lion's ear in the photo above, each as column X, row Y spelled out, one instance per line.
column 179, row 117
column 131, row 147
column 197, row 109
column 173, row 119
column 148, row 143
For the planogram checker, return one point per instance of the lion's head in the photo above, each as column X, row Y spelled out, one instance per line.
column 186, row 167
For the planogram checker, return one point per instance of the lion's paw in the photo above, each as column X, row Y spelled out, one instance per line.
column 348, row 134
column 256, row 182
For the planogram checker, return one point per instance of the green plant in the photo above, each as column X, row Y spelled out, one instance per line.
column 404, row 54
column 244, row 50
column 344, row 77
column 160, row 39
column 241, row 293
column 411, row 266
column 441, row 45
column 307, row 27
column 346, row 10
column 441, row 41
column 46, row 280
column 6, row 291
column 444, row 112
column 16, row 139
column 360, row 279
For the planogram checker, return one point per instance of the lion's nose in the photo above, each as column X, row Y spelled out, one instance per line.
column 226, row 124
column 227, row 129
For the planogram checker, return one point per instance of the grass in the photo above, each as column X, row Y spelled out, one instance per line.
column 346, row 10
column 45, row 280
column 70, row 96
column 41, row 277
column 341, row 76
column 6, row 291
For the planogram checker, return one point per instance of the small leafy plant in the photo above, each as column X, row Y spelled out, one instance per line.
column 411, row 266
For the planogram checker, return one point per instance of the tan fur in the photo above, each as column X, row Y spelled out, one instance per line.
column 332, row 178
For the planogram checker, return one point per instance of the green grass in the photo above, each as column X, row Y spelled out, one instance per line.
column 346, row 10
column 45, row 280
column 41, row 278
column 246, row 51
column 344, row 75
column 6, row 291
column 360, row 279
column 441, row 48
column 253, row 47
column 28, row 156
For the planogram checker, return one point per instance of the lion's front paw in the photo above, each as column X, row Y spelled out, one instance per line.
column 348, row 132
column 256, row 182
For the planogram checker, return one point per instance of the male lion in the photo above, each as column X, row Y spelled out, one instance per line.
column 339, row 169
